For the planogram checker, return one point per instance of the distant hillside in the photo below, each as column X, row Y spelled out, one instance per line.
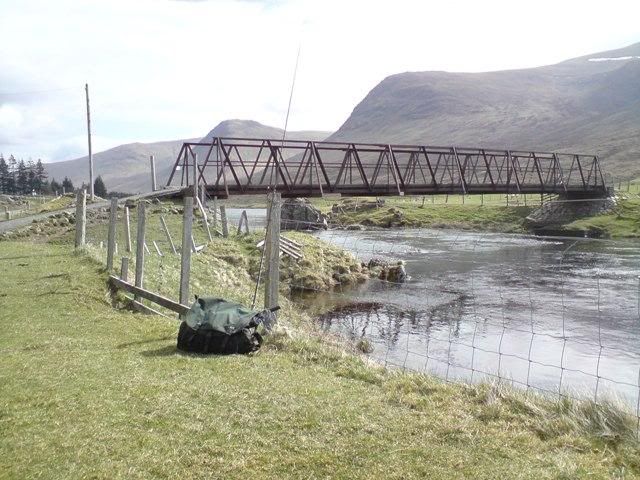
column 126, row 168
column 579, row 105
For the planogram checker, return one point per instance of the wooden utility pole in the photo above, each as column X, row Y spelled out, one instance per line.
column 86, row 89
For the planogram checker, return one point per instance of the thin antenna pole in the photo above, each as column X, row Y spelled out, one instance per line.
column 293, row 84
column 86, row 88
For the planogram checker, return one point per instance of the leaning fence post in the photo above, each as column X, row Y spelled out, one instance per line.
column 223, row 220
column 111, row 237
column 127, row 230
column 166, row 232
column 140, row 246
column 272, row 251
column 124, row 269
column 81, row 218
column 185, row 263
column 245, row 220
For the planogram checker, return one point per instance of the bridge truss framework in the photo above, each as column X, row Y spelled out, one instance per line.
column 299, row 168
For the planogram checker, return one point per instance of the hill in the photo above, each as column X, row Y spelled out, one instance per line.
column 125, row 168
column 589, row 104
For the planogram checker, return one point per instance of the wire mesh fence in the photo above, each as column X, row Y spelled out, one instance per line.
column 557, row 315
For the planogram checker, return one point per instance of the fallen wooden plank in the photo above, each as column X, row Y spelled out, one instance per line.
column 285, row 248
column 299, row 245
column 154, row 297
column 291, row 253
column 292, row 247
column 142, row 308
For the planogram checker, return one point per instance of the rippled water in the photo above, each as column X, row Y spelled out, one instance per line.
column 551, row 314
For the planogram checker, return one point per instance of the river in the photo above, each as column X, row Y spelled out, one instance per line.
column 546, row 313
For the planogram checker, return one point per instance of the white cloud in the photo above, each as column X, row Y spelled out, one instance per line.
column 173, row 69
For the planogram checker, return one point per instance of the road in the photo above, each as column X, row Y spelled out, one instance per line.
column 9, row 225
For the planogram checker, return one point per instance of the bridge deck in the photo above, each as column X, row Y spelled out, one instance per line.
column 298, row 168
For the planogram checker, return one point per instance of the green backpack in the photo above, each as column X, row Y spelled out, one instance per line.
column 213, row 325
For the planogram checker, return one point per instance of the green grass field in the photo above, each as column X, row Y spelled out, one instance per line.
column 90, row 391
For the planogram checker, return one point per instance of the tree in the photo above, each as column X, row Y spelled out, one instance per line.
column 67, row 184
column 99, row 187
column 22, row 179
column 4, row 175
column 40, row 176
column 56, row 188
column 11, row 178
column 31, row 177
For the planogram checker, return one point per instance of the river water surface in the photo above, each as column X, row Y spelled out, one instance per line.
column 547, row 313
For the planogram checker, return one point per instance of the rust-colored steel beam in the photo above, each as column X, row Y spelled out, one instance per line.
column 239, row 166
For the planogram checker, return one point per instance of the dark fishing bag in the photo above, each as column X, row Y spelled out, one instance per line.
column 215, row 326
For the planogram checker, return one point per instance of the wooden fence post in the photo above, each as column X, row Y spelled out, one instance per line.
column 223, row 220
column 203, row 195
column 127, row 230
column 166, row 232
column 272, row 252
column 124, row 269
column 140, row 245
column 111, row 237
column 185, row 263
column 204, row 218
column 157, row 248
column 81, row 218
column 215, row 213
column 154, row 184
column 245, row 220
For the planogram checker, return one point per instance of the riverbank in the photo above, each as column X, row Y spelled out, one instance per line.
column 621, row 222
column 398, row 212
column 91, row 391
column 477, row 214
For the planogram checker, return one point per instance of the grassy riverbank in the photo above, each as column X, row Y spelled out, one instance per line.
column 89, row 391
column 622, row 222
column 488, row 214
column 398, row 212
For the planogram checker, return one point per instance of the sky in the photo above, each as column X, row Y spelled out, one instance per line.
column 173, row 69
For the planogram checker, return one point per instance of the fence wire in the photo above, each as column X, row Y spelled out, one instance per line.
column 551, row 314
column 559, row 315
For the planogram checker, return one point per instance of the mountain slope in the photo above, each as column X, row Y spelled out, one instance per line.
column 125, row 168
column 578, row 105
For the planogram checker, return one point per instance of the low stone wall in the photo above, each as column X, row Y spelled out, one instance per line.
column 299, row 214
column 560, row 211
